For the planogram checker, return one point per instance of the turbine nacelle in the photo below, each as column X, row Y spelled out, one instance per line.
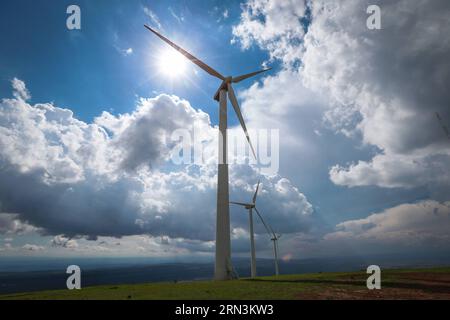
column 252, row 205
column 245, row 205
column 276, row 237
column 227, row 81
column 223, row 86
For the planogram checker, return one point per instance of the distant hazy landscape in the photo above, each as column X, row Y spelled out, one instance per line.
column 406, row 283
column 28, row 274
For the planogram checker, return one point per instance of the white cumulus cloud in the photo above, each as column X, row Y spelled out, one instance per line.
column 113, row 177
column 20, row 90
column 384, row 86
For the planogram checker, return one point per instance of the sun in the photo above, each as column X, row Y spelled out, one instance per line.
column 171, row 63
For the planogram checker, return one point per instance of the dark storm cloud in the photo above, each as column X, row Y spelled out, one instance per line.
column 75, row 179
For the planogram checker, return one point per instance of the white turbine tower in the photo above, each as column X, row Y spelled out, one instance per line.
column 275, row 251
column 223, row 268
column 274, row 238
column 250, row 207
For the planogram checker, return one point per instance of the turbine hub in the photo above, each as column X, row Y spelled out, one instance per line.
column 223, row 86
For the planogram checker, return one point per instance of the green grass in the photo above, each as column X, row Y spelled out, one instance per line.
column 282, row 287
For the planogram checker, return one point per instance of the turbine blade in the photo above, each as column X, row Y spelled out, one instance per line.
column 235, row 105
column 263, row 222
column 256, row 192
column 249, row 75
column 240, row 203
column 195, row 60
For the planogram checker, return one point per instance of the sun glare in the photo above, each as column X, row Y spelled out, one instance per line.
column 171, row 63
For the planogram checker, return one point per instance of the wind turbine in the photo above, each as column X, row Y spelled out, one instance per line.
column 274, row 238
column 444, row 127
column 250, row 207
column 223, row 268
column 275, row 251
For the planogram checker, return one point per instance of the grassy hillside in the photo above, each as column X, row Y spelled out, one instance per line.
column 396, row 284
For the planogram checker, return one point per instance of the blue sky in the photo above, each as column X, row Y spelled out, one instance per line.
column 350, row 121
column 85, row 70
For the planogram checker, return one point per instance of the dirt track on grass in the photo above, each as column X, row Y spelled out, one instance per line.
column 401, row 286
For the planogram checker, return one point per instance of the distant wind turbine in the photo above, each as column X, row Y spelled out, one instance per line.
column 223, row 268
column 444, row 127
column 275, row 251
column 274, row 238
column 250, row 207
